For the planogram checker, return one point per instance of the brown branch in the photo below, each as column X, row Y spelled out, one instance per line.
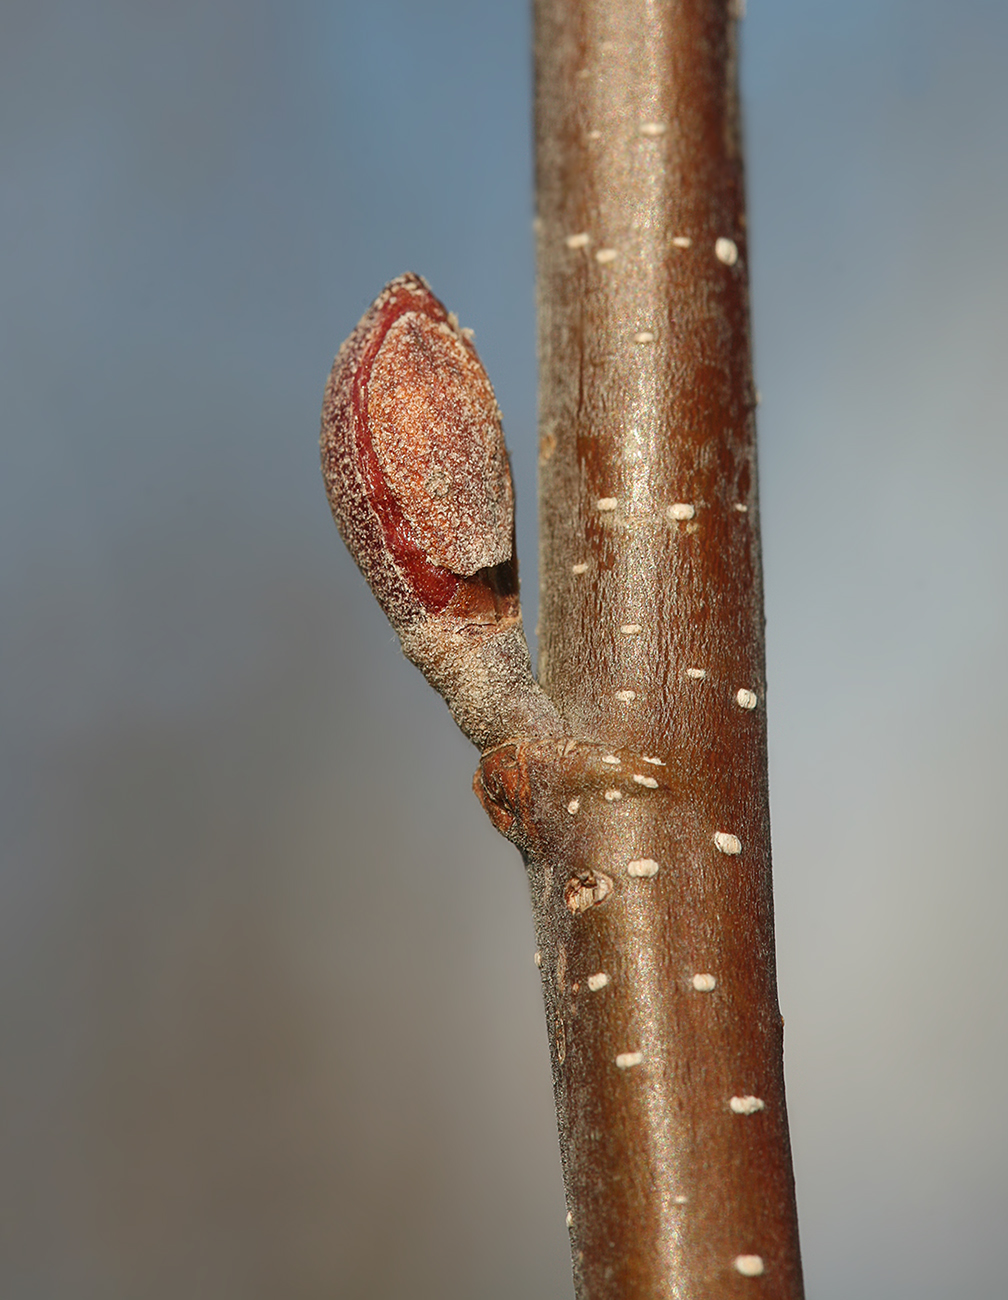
column 636, row 786
column 678, row 1168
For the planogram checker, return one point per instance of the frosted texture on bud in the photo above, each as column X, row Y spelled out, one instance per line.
column 413, row 455
column 417, row 474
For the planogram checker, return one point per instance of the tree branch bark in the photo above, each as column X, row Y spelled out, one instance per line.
column 678, row 1168
column 635, row 781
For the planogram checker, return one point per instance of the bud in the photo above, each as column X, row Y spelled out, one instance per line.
column 414, row 460
column 418, row 479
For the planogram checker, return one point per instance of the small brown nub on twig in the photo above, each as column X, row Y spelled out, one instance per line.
column 585, row 890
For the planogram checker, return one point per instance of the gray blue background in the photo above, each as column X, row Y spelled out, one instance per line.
column 269, row 1022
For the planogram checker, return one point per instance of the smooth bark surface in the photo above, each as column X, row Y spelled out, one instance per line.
column 633, row 776
column 659, row 978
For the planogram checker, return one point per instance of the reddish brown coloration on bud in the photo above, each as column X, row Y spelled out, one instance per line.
column 417, row 474
column 414, row 461
column 639, row 798
column 435, row 428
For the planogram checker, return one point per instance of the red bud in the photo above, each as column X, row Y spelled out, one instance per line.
column 414, row 461
column 417, row 473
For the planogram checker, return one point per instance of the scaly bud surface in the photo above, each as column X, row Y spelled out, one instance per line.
column 417, row 474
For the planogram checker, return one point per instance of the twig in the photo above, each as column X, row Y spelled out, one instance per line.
column 635, row 782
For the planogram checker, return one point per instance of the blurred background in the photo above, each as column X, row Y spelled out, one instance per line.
column 269, row 1021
